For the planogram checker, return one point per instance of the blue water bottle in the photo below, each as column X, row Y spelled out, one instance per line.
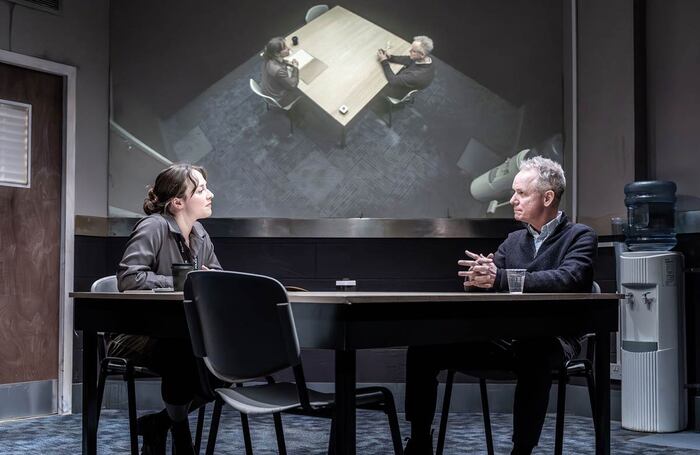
column 651, row 207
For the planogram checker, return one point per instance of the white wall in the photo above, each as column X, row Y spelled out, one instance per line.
column 673, row 96
column 606, row 145
column 78, row 37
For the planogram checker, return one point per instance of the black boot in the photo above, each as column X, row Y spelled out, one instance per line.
column 182, row 438
column 154, row 429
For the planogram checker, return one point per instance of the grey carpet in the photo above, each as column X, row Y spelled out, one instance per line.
column 304, row 435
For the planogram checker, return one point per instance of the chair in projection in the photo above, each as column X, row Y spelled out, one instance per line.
column 410, row 97
column 271, row 102
column 314, row 12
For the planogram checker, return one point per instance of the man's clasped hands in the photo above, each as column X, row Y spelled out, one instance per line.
column 481, row 272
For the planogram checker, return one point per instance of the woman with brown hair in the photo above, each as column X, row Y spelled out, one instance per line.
column 279, row 78
column 170, row 233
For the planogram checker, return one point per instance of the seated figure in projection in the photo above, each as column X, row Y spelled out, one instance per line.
column 418, row 71
column 169, row 234
column 279, row 77
column 558, row 256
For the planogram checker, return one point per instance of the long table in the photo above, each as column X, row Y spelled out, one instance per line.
column 348, row 321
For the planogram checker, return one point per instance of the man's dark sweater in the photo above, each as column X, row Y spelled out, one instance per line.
column 564, row 262
column 413, row 76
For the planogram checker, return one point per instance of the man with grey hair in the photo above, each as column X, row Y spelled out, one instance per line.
column 558, row 257
column 418, row 71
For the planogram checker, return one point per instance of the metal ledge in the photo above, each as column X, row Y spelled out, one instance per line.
column 686, row 223
column 343, row 227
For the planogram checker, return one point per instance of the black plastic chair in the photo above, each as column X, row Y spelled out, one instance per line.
column 579, row 367
column 242, row 328
column 119, row 366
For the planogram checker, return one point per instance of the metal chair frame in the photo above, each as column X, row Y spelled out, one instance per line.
column 118, row 366
column 270, row 101
column 410, row 97
column 580, row 367
column 263, row 300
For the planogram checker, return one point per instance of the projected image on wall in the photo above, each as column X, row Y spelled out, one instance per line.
column 343, row 143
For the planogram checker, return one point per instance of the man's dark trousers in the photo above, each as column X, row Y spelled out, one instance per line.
column 531, row 360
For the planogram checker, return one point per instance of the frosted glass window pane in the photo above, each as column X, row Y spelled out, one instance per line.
column 15, row 143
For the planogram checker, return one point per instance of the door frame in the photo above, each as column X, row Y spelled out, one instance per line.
column 65, row 333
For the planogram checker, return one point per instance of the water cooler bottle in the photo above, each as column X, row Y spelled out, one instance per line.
column 653, row 341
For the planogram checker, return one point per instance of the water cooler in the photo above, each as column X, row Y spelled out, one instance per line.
column 653, row 341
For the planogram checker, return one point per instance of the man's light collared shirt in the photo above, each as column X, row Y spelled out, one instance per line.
column 540, row 237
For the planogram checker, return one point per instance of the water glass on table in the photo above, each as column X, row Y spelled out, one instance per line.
column 516, row 280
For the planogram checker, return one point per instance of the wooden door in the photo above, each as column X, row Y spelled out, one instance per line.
column 30, row 245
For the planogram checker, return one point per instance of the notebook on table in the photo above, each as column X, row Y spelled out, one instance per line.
column 309, row 66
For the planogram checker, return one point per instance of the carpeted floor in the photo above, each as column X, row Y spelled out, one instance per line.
column 61, row 435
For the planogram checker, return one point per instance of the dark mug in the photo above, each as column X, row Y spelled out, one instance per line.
column 295, row 40
column 180, row 272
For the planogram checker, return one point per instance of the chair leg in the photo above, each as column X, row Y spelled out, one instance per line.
column 561, row 406
column 200, row 428
column 590, row 382
column 101, row 382
column 331, row 439
column 214, row 428
column 390, row 409
column 445, row 412
column 246, row 434
column 131, row 396
column 487, row 415
column 279, row 432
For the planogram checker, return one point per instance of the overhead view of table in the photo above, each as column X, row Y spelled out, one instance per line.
column 347, row 321
column 346, row 44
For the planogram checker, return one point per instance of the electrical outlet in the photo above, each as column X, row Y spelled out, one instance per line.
column 615, row 371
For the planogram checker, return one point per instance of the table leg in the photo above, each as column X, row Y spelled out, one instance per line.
column 89, row 392
column 345, row 402
column 602, row 391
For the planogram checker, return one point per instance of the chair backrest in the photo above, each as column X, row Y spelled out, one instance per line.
column 409, row 96
column 314, row 12
column 105, row 284
column 240, row 324
column 295, row 289
column 589, row 348
column 255, row 87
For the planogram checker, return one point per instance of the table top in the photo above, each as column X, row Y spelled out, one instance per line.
column 348, row 45
column 349, row 298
